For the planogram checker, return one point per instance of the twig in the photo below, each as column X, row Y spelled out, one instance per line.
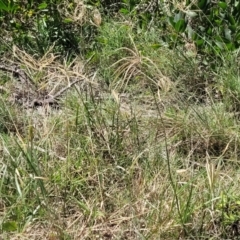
column 60, row 92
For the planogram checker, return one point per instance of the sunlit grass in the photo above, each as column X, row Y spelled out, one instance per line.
column 129, row 152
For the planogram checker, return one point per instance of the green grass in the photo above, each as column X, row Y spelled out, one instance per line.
column 145, row 147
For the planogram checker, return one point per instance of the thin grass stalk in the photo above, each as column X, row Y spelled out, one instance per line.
column 169, row 165
column 31, row 162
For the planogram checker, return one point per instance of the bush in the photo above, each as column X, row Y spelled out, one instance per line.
column 37, row 25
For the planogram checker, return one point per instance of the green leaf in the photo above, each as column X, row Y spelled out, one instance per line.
column 230, row 46
column 155, row 46
column 180, row 26
column 8, row 6
column 9, row 226
column 67, row 20
column 199, row 42
column 202, row 4
column 231, row 19
column 218, row 38
column 4, row 6
column 171, row 20
column 218, row 22
column 42, row 5
column 194, row 36
column 190, row 32
column 222, row 5
column 233, row 28
column 209, row 31
column 124, row 11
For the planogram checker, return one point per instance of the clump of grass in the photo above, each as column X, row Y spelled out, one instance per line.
column 201, row 130
column 137, row 66
column 123, row 56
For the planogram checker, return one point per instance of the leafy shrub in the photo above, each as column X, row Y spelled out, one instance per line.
column 37, row 25
column 213, row 25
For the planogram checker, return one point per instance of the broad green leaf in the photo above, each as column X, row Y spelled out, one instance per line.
column 218, row 38
column 194, row 36
column 124, row 11
column 202, row 4
column 42, row 5
column 199, row 42
column 233, row 28
column 222, row 5
column 9, row 226
column 230, row 46
column 218, row 22
column 209, row 31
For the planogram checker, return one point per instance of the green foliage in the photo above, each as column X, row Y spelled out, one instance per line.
column 229, row 217
column 214, row 26
column 217, row 24
column 37, row 25
column 9, row 226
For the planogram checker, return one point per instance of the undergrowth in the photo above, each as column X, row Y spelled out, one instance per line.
column 142, row 141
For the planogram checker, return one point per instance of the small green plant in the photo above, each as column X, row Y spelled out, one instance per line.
column 228, row 214
column 229, row 209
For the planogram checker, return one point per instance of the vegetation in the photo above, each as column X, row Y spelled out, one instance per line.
column 119, row 119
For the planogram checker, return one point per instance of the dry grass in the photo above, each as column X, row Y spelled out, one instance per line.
column 99, row 166
column 136, row 66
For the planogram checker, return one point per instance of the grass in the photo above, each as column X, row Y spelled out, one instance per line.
column 141, row 148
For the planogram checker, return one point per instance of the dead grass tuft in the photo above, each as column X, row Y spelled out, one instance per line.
column 138, row 67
